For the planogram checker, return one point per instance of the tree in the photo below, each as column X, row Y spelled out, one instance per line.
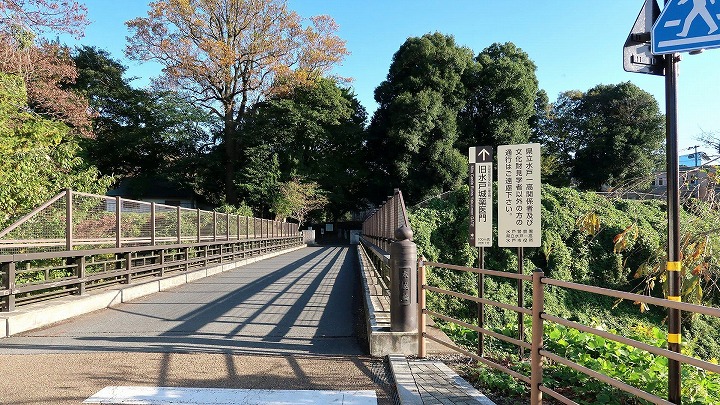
column 314, row 131
column 414, row 131
column 39, row 156
column 620, row 135
column 226, row 55
column 561, row 135
column 40, row 16
column 45, row 67
column 502, row 91
column 297, row 198
column 140, row 132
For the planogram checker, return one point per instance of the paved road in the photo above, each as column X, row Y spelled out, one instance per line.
column 281, row 323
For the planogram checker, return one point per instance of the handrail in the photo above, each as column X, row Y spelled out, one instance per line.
column 538, row 317
column 80, row 270
column 75, row 220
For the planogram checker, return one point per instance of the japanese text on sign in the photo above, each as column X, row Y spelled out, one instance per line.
column 519, row 195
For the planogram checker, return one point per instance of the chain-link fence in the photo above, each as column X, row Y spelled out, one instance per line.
column 79, row 221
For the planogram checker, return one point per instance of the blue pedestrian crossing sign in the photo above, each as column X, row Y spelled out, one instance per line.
column 687, row 25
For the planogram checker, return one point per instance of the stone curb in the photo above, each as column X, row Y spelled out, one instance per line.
column 408, row 391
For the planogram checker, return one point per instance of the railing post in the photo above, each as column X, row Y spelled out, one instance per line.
column 118, row 222
column 162, row 262
column 198, row 224
column 68, row 219
column 152, row 224
column 403, row 265
column 80, row 274
column 422, row 320
column 8, row 270
column 536, row 368
column 247, row 227
column 238, row 227
column 128, row 267
column 179, row 223
column 214, row 225
column 227, row 226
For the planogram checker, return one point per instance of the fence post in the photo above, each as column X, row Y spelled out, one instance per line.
column 8, row 270
column 128, row 267
column 214, row 225
column 68, row 219
column 80, row 273
column 198, row 224
column 247, row 227
column 179, row 223
column 152, row 224
column 536, row 369
column 118, row 222
column 422, row 320
column 227, row 226
column 403, row 265
column 238, row 227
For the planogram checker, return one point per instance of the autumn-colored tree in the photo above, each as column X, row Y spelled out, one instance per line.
column 297, row 198
column 227, row 54
column 45, row 67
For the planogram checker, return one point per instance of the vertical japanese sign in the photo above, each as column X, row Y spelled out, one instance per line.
column 519, row 195
column 481, row 196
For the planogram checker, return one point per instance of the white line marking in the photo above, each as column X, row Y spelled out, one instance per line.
column 224, row 396
column 672, row 23
column 684, row 41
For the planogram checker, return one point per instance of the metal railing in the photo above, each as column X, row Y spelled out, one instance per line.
column 32, row 277
column 78, row 242
column 378, row 232
column 78, row 221
column 537, row 351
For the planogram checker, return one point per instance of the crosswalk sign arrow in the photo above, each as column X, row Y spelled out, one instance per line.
column 687, row 25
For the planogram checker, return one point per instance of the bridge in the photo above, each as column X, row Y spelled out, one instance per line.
column 108, row 300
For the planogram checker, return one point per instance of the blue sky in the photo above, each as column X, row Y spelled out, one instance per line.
column 576, row 44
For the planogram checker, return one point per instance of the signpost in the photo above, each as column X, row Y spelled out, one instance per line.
column 685, row 26
column 481, row 215
column 637, row 55
column 481, row 196
column 519, row 195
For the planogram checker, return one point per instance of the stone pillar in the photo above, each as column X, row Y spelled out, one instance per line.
column 403, row 282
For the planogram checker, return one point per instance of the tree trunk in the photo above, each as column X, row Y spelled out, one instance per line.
column 231, row 156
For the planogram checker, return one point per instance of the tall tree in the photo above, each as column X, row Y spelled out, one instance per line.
column 620, row 133
column 226, row 54
column 140, row 132
column 414, row 131
column 502, row 91
column 315, row 131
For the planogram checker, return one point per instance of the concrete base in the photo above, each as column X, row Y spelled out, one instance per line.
column 44, row 313
column 381, row 339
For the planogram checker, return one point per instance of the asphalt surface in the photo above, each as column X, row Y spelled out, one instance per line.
column 283, row 323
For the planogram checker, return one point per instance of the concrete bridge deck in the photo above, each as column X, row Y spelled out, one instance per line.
column 285, row 323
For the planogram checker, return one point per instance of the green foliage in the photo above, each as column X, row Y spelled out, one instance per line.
column 502, row 90
column 616, row 360
column 314, row 131
column 40, row 157
column 605, row 136
column 142, row 133
column 414, row 131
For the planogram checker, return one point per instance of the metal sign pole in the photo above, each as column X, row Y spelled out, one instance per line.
column 673, row 203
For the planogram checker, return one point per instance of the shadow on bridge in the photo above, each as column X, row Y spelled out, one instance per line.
column 301, row 303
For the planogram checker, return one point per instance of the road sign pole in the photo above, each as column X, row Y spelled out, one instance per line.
column 480, row 305
column 673, row 203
